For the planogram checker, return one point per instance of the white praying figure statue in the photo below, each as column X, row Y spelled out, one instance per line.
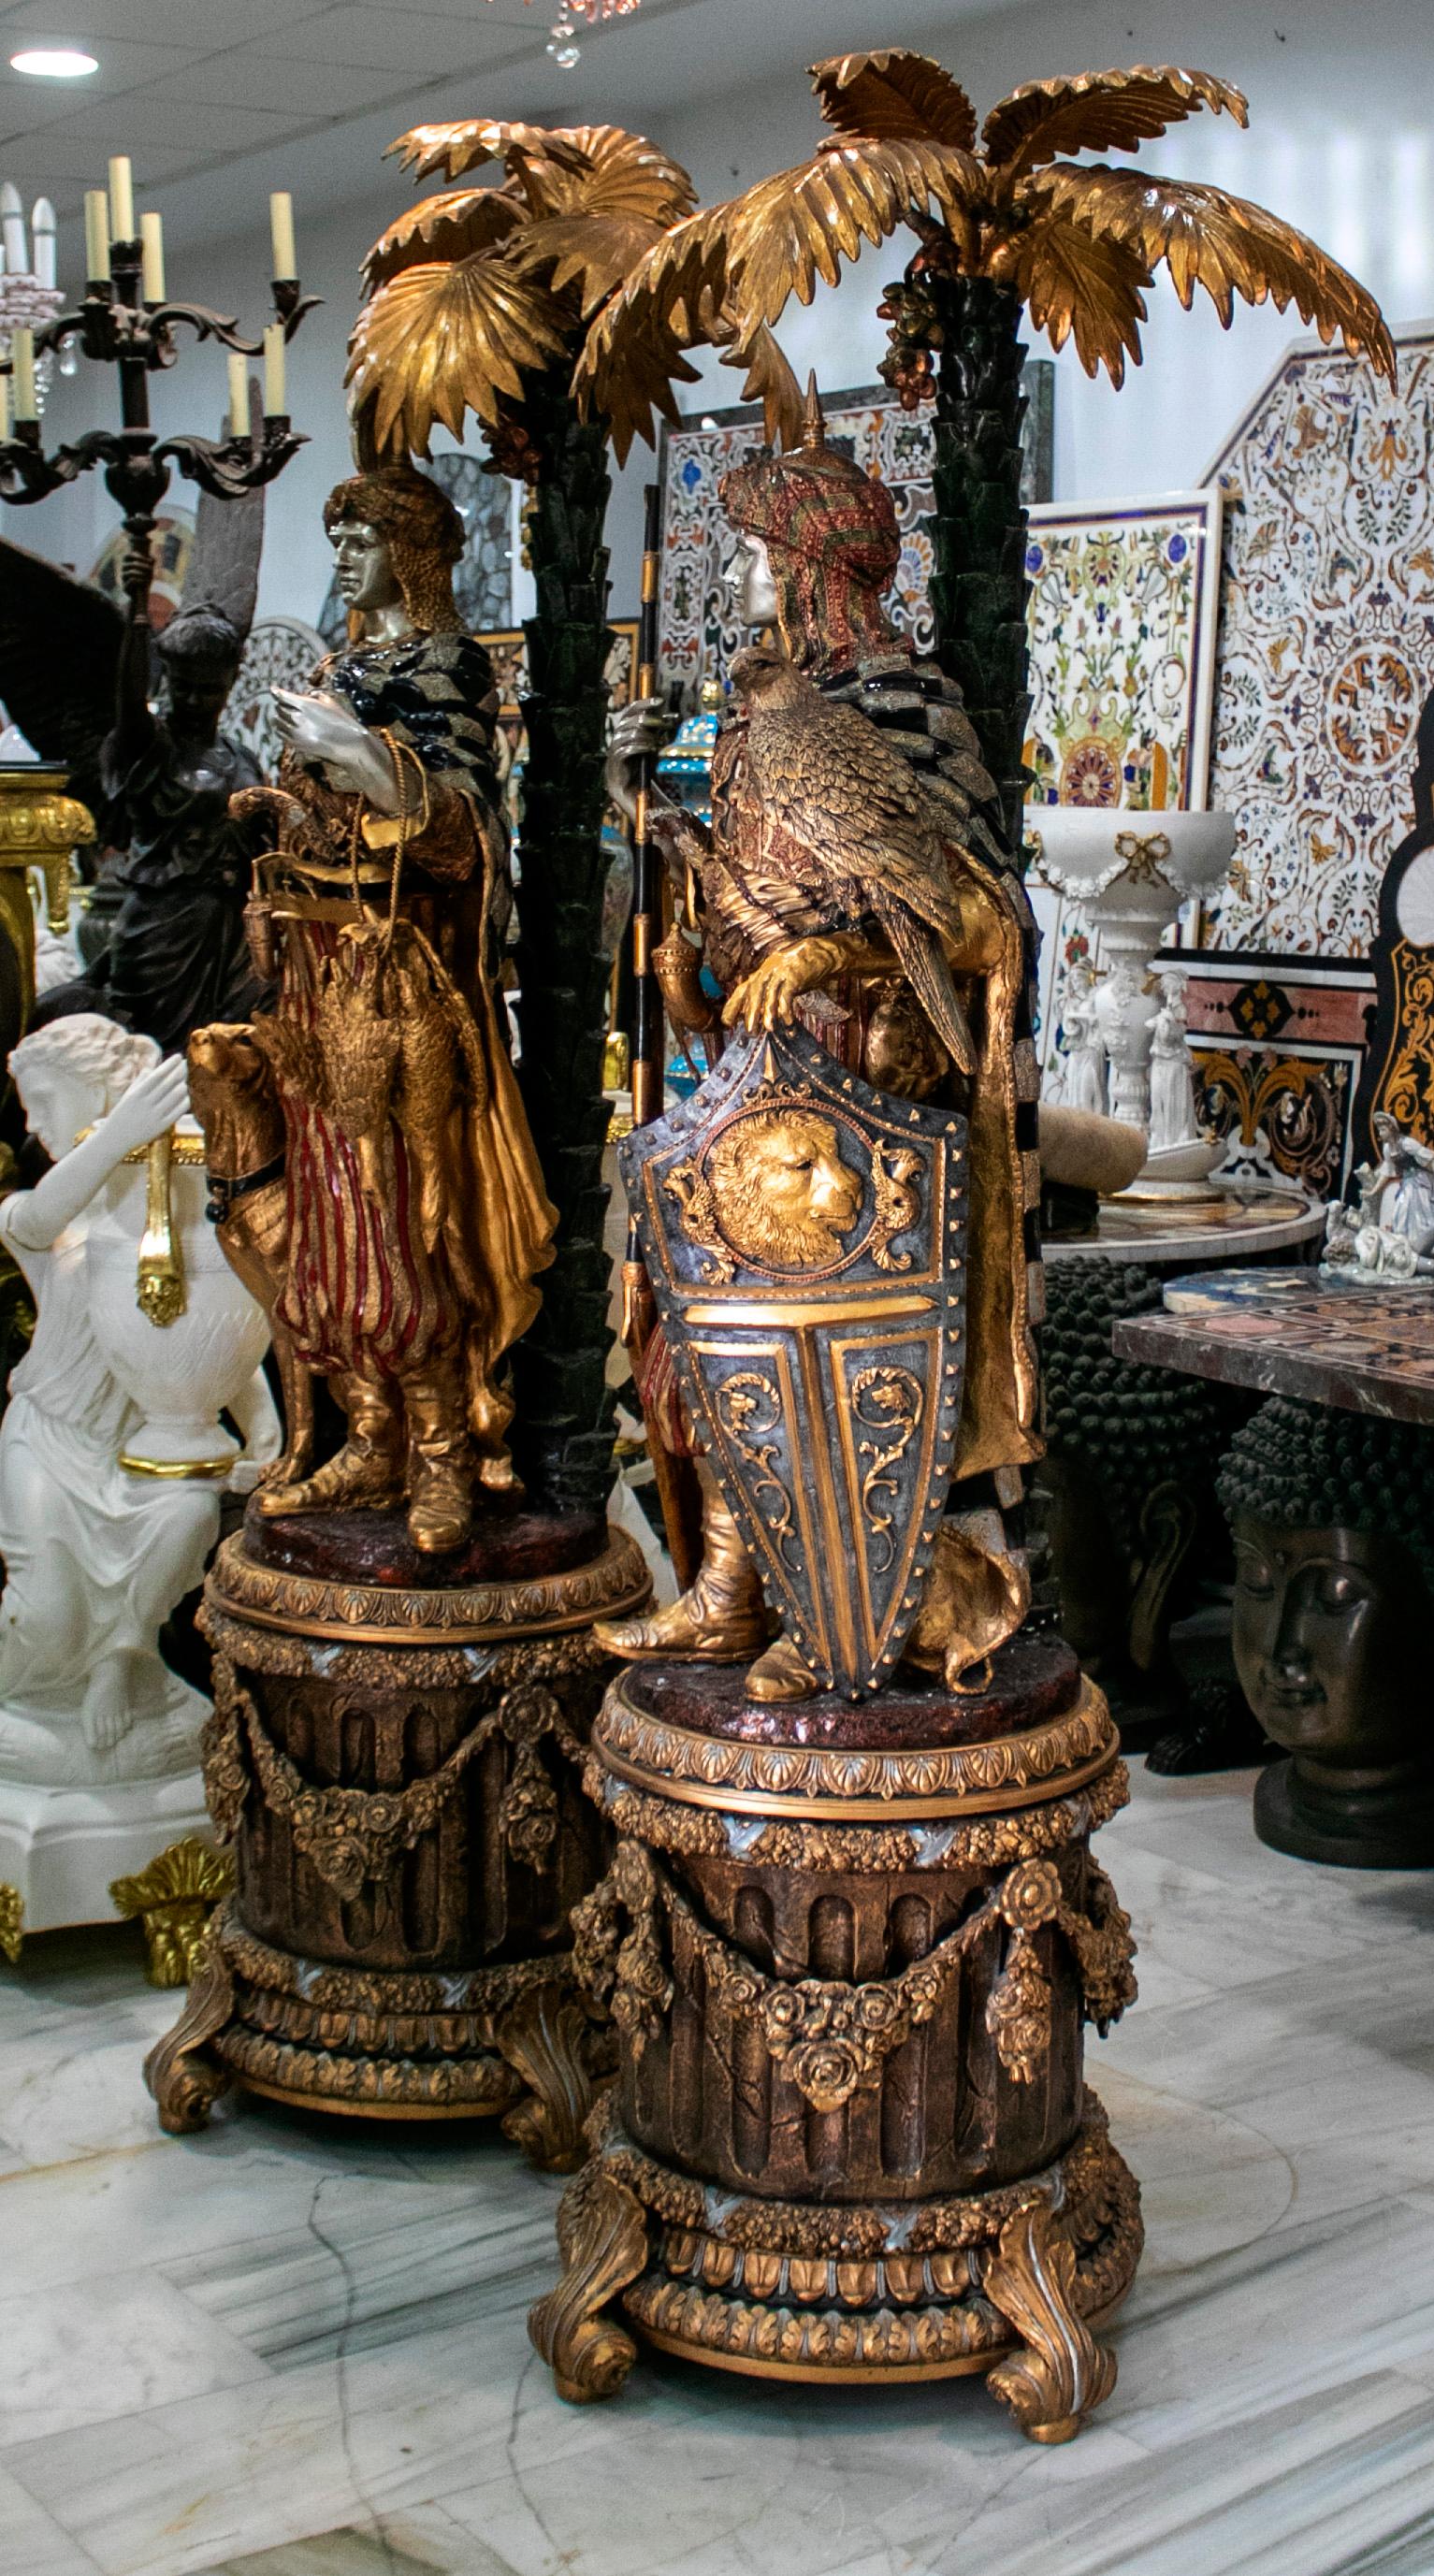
column 1172, row 1074
column 95, row 1558
column 1083, row 1086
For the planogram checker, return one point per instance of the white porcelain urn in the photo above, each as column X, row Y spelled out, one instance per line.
column 175, row 1325
column 1128, row 873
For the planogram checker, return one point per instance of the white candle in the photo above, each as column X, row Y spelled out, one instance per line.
column 12, row 230
column 42, row 236
column 22, row 361
column 238, row 396
column 281, row 231
column 151, row 235
column 121, row 199
column 97, row 236
column 273, row 370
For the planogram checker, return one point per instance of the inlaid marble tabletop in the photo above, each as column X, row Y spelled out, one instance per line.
column 1296, row 1332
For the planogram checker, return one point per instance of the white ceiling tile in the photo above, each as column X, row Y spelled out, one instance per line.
column 130, row 124
column 199, row 26
column 34, row 160
column 407, row 42
column 253, row 77
column 533, row 16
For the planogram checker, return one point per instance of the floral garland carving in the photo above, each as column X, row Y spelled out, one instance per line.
column 980, row 1842
column 378, row 1993
column 571, row 1654
column 1089, row 2181
column 830, row 2037
column 354, row 1837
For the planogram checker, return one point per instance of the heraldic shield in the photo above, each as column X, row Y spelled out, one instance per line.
column 805, row 1237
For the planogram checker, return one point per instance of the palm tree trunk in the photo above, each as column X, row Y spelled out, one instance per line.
column 979, row 587
column 563, row 1432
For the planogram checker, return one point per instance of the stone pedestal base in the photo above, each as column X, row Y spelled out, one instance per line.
column 848, row 1953
column 61, row 1850
column 396, row 1762
column 1376, row 1822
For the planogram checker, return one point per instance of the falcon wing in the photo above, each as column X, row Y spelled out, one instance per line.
column 59, row 659
column 849, row 800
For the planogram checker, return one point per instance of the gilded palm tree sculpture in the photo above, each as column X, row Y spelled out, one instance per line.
column 1006, row 222
column 479, row 300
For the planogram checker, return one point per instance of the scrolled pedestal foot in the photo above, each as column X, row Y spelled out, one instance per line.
column 183, row 2073
column 602, row 2237
column 1060, row 2373
column 545, row 2038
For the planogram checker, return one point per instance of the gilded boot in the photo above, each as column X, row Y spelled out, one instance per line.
column 720, row 1619
column 366, row 1475
column 442, row 1460
column 780, row 1674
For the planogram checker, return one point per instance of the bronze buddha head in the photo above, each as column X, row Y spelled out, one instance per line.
column 1333, row 1522
column 1330, row 1624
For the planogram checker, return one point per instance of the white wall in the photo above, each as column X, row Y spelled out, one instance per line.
column 1341, row 143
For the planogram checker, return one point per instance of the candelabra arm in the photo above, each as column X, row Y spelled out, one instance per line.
column 227, row 467
column 28, row 474
column 51, row 338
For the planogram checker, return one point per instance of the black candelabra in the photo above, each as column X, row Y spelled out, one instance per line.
column 115, row 324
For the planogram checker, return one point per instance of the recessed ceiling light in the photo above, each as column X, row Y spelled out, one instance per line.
column 55, row 62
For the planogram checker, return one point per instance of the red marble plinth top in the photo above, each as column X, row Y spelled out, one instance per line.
column 509, row 1545
column 1034, row 1677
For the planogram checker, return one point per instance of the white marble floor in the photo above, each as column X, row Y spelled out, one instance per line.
column 292, row 2348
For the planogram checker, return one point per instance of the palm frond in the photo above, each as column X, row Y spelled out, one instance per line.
column 769, row 379
column 593, row 252
column 451, row 226
column 1082, row 286
column 1101, row 112
column 444, row 339
column 453, row 149
column 746, row 258
column 1205, row 237
column 635, row 345
column 895, row 96
column 798, row 226
column 603, row 170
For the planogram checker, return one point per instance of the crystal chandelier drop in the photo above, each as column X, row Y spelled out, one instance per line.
column 28, row 293
column 562, row 44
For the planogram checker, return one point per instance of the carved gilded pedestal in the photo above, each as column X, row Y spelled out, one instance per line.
column 848, row 1953
column 397, row 1765
column 39, row 827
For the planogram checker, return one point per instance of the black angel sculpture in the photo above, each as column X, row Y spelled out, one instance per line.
column 76, row 674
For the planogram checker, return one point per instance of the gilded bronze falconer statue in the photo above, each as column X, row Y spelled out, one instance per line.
column 853, row 880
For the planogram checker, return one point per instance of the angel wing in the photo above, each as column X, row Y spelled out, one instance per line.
column 223, row 570
column 59, row 658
